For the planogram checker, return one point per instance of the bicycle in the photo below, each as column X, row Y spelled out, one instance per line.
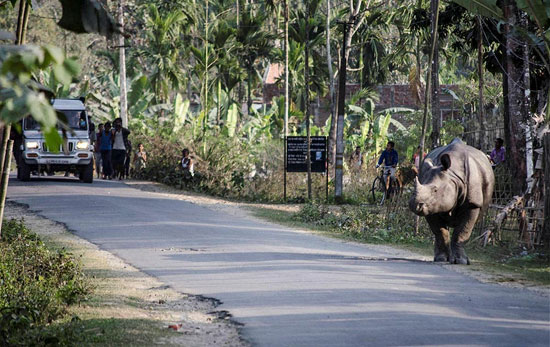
column 382, row 191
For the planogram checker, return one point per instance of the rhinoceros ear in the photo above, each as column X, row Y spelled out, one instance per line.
column 445, row 161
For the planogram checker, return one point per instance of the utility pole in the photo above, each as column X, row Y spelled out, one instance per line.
column 339, row 167
column 122, row 67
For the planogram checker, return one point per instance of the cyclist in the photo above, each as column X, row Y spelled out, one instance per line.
column 389, row 158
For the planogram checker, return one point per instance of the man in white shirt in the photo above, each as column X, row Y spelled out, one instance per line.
column 120, row 144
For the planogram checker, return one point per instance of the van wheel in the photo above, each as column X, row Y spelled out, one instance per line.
column 23, row 171
column 87, row 173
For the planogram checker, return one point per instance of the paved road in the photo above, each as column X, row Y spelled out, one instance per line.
column 290, row 288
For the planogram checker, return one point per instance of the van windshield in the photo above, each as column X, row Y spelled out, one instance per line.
column 76, row 120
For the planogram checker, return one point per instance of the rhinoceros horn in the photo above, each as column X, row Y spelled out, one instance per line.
column 417, row 184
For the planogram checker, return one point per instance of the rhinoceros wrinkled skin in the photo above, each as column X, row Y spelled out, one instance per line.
column 454, row 186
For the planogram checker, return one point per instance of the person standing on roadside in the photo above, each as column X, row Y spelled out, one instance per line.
column 105, row 148
column 120, row 144
column 140, row 159
column 498, row 154
column 186, row 163
column 97, row 151
column 356, row 160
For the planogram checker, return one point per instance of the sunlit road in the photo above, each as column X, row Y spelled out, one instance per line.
column 290, row 288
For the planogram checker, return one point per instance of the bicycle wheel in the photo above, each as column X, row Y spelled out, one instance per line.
column 378, row 191
column 394, row 190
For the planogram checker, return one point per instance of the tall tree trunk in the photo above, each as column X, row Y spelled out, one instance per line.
column 219, row 102
column 332, row 94
column 122, row 62
column 429, row 80
column 481, row 109
column 546, row 162
column 355, row 20
column 516, row 96
column 436, row 109
column 307, row 104
column 286, row 15
column 339, row 164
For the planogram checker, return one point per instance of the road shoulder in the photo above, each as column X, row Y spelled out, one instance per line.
column 135, row 305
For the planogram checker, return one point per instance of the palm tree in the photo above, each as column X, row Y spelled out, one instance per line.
column 253, row 43
column 163, row 49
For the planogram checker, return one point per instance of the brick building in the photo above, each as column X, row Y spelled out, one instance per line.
column 390, row 95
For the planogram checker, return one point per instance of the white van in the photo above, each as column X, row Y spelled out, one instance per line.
column 75, row 156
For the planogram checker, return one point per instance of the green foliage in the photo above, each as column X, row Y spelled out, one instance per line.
column 20, row 95
column 37, row 285
column 366, row 224
column 488, row 8
column 451, row 128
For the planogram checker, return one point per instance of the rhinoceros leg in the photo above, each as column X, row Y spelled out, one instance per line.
column 462, row 234
column 442, row 250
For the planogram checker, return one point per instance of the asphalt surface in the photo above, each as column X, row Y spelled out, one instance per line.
column 290, row 288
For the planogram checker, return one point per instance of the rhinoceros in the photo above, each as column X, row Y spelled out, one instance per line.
column 454, row 186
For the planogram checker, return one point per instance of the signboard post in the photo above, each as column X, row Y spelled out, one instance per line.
column 296, row 156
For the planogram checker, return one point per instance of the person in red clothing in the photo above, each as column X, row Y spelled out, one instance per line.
column 416, row 160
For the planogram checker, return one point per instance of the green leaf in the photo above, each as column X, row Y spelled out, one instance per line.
column 41, row 110
column 72, row 66
column 487, row 8
column 136, row 93
column 53, row 55
column 396, row 110
column 369, row 106
column 13, row 109
column 61, row 74
column 356, row 109
column 53, row 139
column 450, row 92
column 232, row 118
column 180, row 111
column 398, row 125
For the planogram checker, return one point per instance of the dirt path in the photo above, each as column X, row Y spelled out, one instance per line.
column 123, row 292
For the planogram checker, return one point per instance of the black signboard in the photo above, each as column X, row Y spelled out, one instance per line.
column 296, row 153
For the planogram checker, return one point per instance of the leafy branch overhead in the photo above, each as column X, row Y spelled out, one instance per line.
column 21, row 95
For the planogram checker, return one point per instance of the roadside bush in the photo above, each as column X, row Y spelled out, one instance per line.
column 227, row 167
column 366, row 223
column 36, row 286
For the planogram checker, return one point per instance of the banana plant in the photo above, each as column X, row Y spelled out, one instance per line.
column 181, row 112
column 107, row 106
column 366, row 127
